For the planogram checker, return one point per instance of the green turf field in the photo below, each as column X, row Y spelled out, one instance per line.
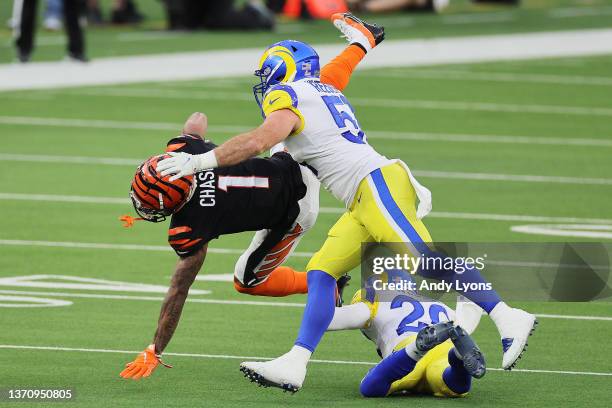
column 499, row 144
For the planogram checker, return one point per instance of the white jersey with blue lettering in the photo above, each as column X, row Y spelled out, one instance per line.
column 329, row 139
column 403, row 317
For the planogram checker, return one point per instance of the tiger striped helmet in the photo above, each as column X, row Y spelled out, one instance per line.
column 155, row 197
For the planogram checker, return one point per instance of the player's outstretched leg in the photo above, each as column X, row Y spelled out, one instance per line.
column 468, row 352
column 289, row 370
column 514, row 325
column 357, row 31
column 378, row 380
column 465, row 361
column 431, row 336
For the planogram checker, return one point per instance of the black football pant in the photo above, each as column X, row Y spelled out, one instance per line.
column 26, row 25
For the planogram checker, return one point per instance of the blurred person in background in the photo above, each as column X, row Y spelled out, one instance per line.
column 122, row 12
column 197, row 14
column 385, row 6
column 308, row 9
column 125, row 12
column 24, row 15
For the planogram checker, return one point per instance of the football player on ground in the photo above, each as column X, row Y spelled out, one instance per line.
column 274, row 196
column 415, row 337
column 318, row 126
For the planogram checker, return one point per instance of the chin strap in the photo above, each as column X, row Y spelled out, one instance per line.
column 128, row 221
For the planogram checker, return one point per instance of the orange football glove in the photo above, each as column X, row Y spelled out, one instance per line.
column 143, row 365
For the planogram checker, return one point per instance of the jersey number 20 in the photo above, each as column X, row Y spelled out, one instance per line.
column 344, row 116
column 406, row 325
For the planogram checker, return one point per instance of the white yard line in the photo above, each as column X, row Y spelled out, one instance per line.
column 386, row 103
column 483, row 107
column 494, row 77
column 234, row 357
column 373, row 134
column 194, row 65
column 109, row 124
column 504, row 139
column 572, row 12
column 153, row 298
column 88, row 160
column 478, row 18
column 64, row 198
column 514, row 217
column 570, row 317
column 241, row 302
column 525, row 178
column 325, row 210
column 124, row 247
column 567, row 230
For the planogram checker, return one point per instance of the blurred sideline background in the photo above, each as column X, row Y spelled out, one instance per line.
column 143, row 28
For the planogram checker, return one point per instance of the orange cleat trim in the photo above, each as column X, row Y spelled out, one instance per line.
column 354, row 24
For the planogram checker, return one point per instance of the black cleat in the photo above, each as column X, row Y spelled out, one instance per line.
column 468, row 351
column 431, row 336
column 341, row 284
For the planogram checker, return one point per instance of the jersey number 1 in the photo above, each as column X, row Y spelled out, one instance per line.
column 226, row 182
column 344, row 116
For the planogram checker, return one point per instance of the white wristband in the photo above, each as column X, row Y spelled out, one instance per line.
column 206, row 161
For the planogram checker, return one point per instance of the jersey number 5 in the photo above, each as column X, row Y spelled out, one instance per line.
column 406, row 325
column 344, row 116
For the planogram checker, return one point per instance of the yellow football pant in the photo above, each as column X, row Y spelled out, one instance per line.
column 383, row 210
column 426, row 378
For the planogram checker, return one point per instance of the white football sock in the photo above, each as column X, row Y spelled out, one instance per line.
column 299, row 354
column 413, row 352
column 499, row 315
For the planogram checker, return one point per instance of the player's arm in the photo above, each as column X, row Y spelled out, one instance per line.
column 186, row 270
column 277, row 126
column 185, row 273
column 355, row 316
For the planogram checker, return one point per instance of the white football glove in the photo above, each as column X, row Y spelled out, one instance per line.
column 185, row 164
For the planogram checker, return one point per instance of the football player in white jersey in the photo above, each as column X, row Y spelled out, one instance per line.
column 384, row 202
column 422, row 351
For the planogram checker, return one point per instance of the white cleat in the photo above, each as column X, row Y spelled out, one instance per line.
column 515, row 326
column 357, row 31
column 283, row 372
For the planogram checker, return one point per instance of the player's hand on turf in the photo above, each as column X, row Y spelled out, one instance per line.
column 179, row 165
column 143, row 365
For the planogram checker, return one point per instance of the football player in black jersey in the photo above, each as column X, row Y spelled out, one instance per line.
column 276, row 197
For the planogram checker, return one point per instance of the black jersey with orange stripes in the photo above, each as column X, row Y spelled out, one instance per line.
column 259, row 193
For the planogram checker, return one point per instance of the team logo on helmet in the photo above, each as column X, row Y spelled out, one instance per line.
column 282, row 62
column 155, row 197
